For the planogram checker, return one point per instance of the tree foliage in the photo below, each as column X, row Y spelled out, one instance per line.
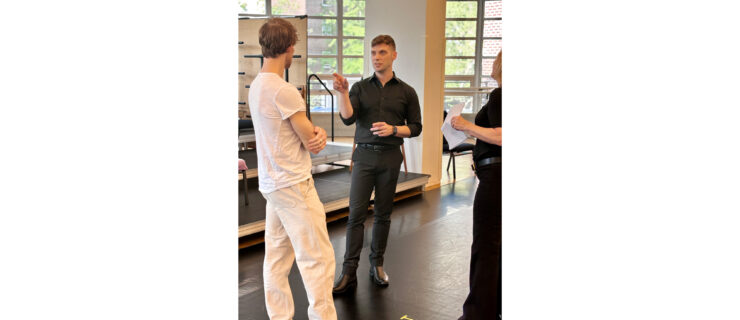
column 286, row 7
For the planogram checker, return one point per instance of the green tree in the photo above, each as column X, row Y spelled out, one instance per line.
column 354, row 8
column 285, row 7
column 324, row 8
column 462, row 9
column 252, row 6
column 354, row 28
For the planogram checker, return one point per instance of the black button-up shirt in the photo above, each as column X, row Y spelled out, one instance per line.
column 488, row 117
column 396, row 103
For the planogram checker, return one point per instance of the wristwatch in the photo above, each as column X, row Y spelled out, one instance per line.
column 395, row 130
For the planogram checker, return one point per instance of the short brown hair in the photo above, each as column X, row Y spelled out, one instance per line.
column 276, row 36
column 385, row 39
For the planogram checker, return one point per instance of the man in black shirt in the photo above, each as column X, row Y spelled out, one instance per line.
column 386, row 110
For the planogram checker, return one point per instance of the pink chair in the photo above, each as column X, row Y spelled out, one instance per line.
column 243, row 171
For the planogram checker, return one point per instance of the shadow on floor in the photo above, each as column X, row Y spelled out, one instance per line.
column 427, row 260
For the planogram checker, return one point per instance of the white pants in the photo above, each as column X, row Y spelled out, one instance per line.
column 295, row 228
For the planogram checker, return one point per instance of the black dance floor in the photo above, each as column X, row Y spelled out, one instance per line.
column 330, row 185
column 427, row 260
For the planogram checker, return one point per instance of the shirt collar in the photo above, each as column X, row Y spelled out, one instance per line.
column 375, row 78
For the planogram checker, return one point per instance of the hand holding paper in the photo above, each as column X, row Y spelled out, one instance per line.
column 454, row 137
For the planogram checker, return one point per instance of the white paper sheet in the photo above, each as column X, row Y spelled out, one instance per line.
column 454, row 137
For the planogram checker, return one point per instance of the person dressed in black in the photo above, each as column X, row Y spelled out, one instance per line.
column 484, row 299
column 386, row 110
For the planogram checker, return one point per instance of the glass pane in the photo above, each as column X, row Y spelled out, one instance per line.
column 459, row 66
column 322, row 101
column 462, row 9
column 352, row 65
column 322, row 65
column 322, row 27
column 483, row 100
column 353, row 47
column 467, row 101
column 460, row 29
column 354, row 8
column 354, row 28
column 457, row 84
column 252, row 6
column 460, row 48
column 288, row 7
column 322, row 46
column 491, row 48
column 321, row 8
column 492, row 28
column 488, row 82
column 493, row 9
column 317, row 88
column 487, row 67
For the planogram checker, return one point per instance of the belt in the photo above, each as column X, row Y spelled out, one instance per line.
column 487, row 161
column 377, row 147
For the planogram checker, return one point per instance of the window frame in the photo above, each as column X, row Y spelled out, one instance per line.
column 340, row 56
column 475, row 89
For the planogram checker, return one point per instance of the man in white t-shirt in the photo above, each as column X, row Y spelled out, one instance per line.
column 295, row 222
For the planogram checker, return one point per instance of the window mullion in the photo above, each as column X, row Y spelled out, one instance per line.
column 460, row 19
column 323, row 56
column 478, row 53
column 322, row 37
column 340, row 34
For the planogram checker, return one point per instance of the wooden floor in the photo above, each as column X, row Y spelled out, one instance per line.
column 462, row 165
column 427, row 260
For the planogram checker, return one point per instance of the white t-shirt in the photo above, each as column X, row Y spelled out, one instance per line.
column 282, row 160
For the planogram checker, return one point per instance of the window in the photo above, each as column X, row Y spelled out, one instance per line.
column 269, row 8
column 473, row 39
column 336, row 43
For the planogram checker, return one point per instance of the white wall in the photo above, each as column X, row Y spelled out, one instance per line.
column 405, row 21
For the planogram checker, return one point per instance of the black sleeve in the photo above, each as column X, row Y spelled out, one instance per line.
column 413, row 114
column 494, row 109
column 354, row 99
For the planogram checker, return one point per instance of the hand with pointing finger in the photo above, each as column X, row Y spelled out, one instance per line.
column 340, row 83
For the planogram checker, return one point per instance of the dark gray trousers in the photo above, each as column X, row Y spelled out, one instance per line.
column 372, row 170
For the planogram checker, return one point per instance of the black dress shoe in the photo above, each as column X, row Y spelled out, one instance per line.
column 345, row 284
column 379, row 277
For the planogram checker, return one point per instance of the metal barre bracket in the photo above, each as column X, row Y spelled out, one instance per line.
column 308, row 100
